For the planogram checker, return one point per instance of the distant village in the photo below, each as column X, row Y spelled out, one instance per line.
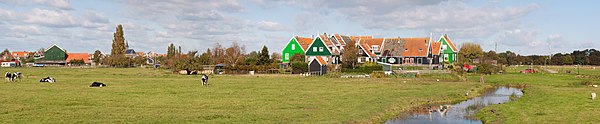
column 55, row 55
column 325, row 50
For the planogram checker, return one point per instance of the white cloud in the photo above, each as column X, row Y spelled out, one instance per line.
column 519, row 37
column 270, row 26
column 50, row 18
column 60, row 4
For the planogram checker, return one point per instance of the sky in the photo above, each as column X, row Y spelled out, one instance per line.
column 523, row 26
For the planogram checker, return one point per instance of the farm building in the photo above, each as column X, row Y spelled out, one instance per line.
column 53, row 55
column 317, row 65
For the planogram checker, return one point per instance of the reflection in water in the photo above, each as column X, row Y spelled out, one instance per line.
column 460, row 113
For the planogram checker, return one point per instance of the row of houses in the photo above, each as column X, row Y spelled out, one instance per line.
column 326, row 49
column 54, row 55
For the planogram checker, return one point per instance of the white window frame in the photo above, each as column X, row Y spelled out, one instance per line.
column 320, row 49
column 287, row 56
column 293, row 46
column 314, row 49
column 375, row 47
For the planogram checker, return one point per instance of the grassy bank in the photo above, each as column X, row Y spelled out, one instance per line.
column 156, row 96
column 549, row 98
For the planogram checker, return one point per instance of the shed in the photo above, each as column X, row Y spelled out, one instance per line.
column 317, row 65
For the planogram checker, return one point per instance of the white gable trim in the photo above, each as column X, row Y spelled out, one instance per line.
column 56, row 47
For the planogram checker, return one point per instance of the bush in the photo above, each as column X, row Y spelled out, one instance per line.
column 365, row 68
column 299, row 67
column 378, row 75
column 486, row 68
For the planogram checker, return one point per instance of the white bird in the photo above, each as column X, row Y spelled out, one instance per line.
column 593, row 96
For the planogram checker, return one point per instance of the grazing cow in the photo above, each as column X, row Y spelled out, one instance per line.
column 98, row 84
column 12, row 76
column 204, row 80
column 48, row 79
column 18, row 75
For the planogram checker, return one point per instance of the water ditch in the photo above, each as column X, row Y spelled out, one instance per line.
column 459, row 113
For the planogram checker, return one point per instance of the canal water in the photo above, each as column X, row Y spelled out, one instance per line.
column 460, row 113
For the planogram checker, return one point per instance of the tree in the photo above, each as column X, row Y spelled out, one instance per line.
column 118, row 45
column 350, row 57
column 566, row 60
column 298, row 58
column 6, row 55
column 469, row 51
column 263, row 56
column 97, row 57
column 234, row 54
column 276, row 57
column 218, row 54
column 171, row 51
column 205, row 58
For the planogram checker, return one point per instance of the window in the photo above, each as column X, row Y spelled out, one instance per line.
column 406, row 49
column 444, row 47
column 314, row 49
column 320, row 49
column 293, row 46
column 420, row 50
column 419, row 60
column 326, row 59
column 287, row 56
column 375, row 47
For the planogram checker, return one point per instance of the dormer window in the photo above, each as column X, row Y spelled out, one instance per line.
column 421, row 50
column 406, row 49
column 375, row 48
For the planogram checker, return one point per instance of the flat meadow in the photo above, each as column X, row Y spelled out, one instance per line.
column 141, row 95
column 549, row 97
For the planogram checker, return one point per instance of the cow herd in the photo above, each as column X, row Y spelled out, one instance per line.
column 17, row 76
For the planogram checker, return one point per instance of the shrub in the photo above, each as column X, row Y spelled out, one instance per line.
column 378, row 75
column 299, row 67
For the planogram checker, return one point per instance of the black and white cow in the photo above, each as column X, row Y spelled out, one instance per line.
column 204, row 80
column 48, row 79
column 98, row 84
column 13, row 76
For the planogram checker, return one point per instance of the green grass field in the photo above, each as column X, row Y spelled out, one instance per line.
column 549, row 98
column 137, row 95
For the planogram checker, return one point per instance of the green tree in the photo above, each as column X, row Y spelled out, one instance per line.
column 469, row 51
column 118, row 45
column 263, row 56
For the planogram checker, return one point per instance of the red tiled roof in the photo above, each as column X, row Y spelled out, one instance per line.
column 415, row 47
column 141, row 54
column 367, row 49
column 20, row 54
column 339, row 39
column 361, row 37
column 450, row 43
column 373, row 41
column 304, row 42
column 326, row 40
column 321, row 60
column 78, row 56
column 436, row 47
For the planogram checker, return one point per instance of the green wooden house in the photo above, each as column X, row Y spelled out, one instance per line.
column 318, row 48
column 296, row 46
column 449, row 52
column 53, row 55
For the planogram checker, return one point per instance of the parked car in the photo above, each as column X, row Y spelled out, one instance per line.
column 527, row 71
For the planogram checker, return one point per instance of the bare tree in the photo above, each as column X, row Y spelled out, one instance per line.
column 234, row 54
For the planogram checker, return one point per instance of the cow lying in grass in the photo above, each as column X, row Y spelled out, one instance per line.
column 13, row 76
column 98, row 84
column 48, row 79
column 204, row 80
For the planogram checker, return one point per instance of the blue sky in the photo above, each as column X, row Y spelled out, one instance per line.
column 525, row 27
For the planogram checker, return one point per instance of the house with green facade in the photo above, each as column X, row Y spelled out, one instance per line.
column 53, row 55
column 296, row 46
column 318, row 48
column 448, row 51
